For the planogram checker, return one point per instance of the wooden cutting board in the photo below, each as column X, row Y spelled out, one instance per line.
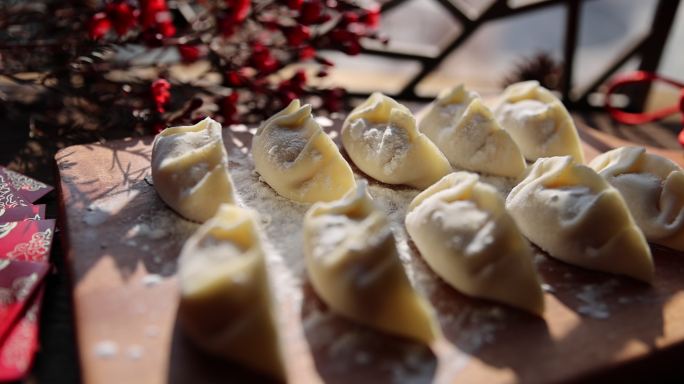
column 122, row 243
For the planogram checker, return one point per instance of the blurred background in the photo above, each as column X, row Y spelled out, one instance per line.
column 499, row 50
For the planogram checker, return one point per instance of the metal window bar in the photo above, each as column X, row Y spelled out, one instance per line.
column 648, row 48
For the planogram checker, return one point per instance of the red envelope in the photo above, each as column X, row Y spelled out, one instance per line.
column 28, row 240
column 19, row 281
column 21, row 344
column 9, row 197
column 30, row 189
column 26, row 212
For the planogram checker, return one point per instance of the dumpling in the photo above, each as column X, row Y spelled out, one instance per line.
column 476, row 142
column 353, row 265
column 297, row 159
column 445, row 112
column 653, row 188
column 572, row 213
column 225, row 299
column 538, row 122
column 190, row 169
column 381, row 138
column 462, row 229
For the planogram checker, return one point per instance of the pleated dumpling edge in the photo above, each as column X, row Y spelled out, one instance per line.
column 571, row 212
column 353, row 264
column 298, row 160
column 382, row 139
column 226, row 305
column 653, row 188
column 538, row 122
column 462, row 230
column 190, row 169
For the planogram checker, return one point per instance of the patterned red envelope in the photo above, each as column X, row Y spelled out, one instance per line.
column 9, row 197
column 19, row 281
column 25, row 212
column 21, row 344
column 30, row 189
column 28, row 240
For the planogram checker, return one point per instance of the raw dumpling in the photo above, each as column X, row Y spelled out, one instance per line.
column 653, row 188
column 462, row 229
column 190, row 169
column 445, row 112
column 297, row 159
column 381, row 138
column 226, row 304
column 476, row 142
column 572, row 213
column 353, row 265
column 538, row 122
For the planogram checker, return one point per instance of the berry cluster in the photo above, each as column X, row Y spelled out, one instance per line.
column 256, row 47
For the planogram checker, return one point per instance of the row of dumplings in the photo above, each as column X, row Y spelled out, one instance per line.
column 469, row 234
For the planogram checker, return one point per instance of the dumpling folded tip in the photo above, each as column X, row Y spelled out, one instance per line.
column 226, row 304
column 354, row 267
column 462, row 230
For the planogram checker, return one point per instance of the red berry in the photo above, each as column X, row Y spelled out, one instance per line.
column 297, row 35
column 149, row 10
column 226, row 25
column 160, row 93
column 233, row 78
column 239, row 9
column 349, row 17
column 166, row 28
column 299, row 77
column 306, row 52
column 228, row 107
column 310, row 12
column 294, row 4
column 122, row 15
column 99, row 26
column 262, row 59
column 189, row 53
column 352, row 48
column 371, row 17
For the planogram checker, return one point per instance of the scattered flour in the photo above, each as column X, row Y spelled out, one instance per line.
column 106, row 349
column 323, row 121
column 530, row 115
column 389, row 144
column 135, row 352
column 333, row 230
column 146, row 230
column 592, row 298
column 453, row 112
column 151, row 280
column 281, row 220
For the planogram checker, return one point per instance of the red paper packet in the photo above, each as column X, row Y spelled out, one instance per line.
column 31, row 241
column 28, row 240
column 21, row 344
column 25, row 212
column 30, row 189
column 19, row 281
column 9, row 197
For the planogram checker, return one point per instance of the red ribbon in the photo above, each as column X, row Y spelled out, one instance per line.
column 644, row 117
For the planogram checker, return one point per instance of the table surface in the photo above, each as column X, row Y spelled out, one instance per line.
column 484, row 342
